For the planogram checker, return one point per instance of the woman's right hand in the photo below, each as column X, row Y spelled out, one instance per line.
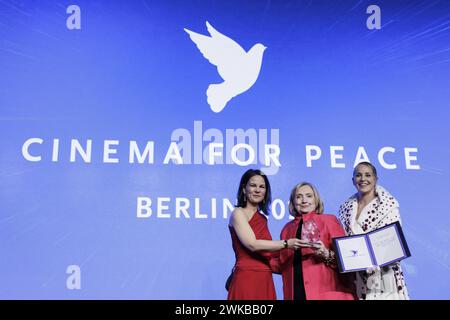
column 295, row 243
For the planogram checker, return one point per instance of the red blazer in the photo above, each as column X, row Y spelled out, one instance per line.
column 321, row 282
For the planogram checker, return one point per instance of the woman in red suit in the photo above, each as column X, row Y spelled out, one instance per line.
column 310, row 273
column 252, row 242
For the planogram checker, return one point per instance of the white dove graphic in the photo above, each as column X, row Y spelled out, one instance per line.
column 238, row 69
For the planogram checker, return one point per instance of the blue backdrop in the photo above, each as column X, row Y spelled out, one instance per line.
column 81, row 86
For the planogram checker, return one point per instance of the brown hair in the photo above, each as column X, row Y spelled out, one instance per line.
column 264, row 206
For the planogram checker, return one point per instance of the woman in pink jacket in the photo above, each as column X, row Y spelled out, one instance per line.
column 311, row 273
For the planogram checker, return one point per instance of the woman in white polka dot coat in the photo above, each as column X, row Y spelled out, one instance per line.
column 370, row 208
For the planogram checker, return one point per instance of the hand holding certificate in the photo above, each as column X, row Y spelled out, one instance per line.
column 377, row 248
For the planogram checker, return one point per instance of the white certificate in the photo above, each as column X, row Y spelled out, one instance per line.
column 386, row 245
column 376, row 248
column 354, row 252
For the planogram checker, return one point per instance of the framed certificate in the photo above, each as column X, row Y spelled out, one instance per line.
column 377, row 248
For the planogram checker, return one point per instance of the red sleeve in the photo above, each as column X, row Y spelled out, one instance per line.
column 334, row 227
column 335, row 230
column 284, row 231
column 275, row 262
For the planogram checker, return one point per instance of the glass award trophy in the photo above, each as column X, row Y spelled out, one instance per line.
column 310, row 231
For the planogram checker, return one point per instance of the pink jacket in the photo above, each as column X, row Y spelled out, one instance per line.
column 321, row 282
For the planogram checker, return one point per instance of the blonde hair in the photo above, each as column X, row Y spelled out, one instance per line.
column 319, row 203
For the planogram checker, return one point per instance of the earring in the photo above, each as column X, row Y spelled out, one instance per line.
column 245, row 198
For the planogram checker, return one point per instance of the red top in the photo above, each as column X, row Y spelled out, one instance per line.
column 252, row 279
column 245, row 259
column 321, row 282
